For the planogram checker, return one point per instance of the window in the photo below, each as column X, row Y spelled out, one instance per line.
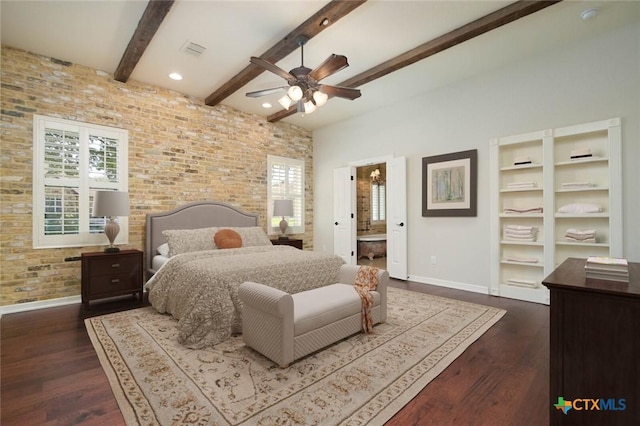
column 71, row 161
column 378, row 203
column 286, row 182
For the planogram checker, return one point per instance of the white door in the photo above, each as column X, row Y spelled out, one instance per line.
column 397, row 218
column 344, row 203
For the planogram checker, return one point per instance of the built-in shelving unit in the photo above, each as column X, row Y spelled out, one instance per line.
column 530, row 237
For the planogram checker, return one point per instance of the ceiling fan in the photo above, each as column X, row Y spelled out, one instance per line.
column 304, row 88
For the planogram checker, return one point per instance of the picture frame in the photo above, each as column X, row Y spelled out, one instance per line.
column 450, row 184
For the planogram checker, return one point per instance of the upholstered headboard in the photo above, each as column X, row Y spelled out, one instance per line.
column 199, row 214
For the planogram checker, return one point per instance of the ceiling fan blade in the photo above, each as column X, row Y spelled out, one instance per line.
column 265, row 92
column 270, row 67
column 332, row 64
column 341, row 92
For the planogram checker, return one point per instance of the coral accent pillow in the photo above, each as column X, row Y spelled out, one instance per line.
column 227, row 238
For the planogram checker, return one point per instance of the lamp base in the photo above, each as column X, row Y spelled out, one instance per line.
column 283, row 228
column 111, row 229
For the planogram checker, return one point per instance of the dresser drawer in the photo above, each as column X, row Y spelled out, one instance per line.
column 109, row 266
column 110, row 284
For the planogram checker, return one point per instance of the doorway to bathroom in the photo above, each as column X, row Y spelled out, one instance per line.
column 346, row 217
column 371, row 210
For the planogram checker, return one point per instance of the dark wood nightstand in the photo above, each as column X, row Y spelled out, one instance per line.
column 111, row 274
column 290, row 242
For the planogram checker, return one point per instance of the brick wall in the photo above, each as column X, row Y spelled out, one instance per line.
column 179, row 151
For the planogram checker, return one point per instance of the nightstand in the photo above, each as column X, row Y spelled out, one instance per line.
column 111, row 274
column 290, row 242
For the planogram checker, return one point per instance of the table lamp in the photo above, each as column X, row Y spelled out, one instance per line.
column 111, row 204
column 283, row 208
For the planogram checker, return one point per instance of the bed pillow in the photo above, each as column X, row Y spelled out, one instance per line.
column 163, row 249
column 188, row 240
column 252, row 236
column 227, row 238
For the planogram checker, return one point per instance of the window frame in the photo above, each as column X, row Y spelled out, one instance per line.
column 298, row 199
column 381, row 207
column 86, row 187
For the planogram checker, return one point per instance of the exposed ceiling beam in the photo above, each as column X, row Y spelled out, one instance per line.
column 466, row 32
column 321, row 20
column 149, row 23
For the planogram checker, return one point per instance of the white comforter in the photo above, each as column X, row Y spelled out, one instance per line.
column 200, row 289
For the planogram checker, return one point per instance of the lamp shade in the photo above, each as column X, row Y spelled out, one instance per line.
column 320, row 98
column 283, row 207
column 295, row 93
column 111, row 203
column 285, row 101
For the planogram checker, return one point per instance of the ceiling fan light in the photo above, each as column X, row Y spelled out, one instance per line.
column 295, row 93
column 285, row 101
column 320, row 98
column 309, row 107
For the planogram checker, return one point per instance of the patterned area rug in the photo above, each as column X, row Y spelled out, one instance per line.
column 364, row 379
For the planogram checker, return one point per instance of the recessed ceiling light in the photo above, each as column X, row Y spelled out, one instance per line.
column 589, row 14
column 175, row 76
column 266, row 105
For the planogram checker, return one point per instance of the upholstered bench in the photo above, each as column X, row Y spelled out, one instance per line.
column 285, row 327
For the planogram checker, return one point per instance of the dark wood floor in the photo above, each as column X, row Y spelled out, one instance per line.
column 51, row 375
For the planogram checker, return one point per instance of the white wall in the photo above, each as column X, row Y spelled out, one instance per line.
column 592, row 80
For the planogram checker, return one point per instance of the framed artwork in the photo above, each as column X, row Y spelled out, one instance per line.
column 450, row 184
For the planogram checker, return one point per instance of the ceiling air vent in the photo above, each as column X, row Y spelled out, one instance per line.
column 192, row 48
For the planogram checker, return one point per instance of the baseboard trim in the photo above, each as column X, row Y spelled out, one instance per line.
column 40, row 304
column 450, row 284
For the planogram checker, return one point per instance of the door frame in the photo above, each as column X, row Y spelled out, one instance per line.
column 368, row 162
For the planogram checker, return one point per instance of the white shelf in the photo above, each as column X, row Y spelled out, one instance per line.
column 581, row 215
column 522, row 167
column 522, row 243
column 521, row 190
column 579, row 161
column 592, row 188
column 530, row 264
column 572, row 243
column 520, row 215
column 550, row 152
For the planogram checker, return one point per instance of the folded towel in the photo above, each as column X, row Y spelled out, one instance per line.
column 521, row 211
column 523, row 159
column 511, row 185
column 581, row 153
column 521, row 259
column 584, row 240
column 519, row 232
column 519, row 281
column 520, row 227
column 577, row 208
column 577, row 185
column 520, row 237
column 578, row 232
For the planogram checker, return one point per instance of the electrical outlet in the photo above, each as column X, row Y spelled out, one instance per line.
column 433, row 260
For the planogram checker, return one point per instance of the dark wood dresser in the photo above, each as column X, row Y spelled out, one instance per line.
column 595, row 346
column 111, row 274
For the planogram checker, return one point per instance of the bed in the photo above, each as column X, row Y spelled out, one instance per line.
column 197, row 282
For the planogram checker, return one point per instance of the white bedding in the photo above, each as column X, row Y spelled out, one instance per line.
column 158, row 261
